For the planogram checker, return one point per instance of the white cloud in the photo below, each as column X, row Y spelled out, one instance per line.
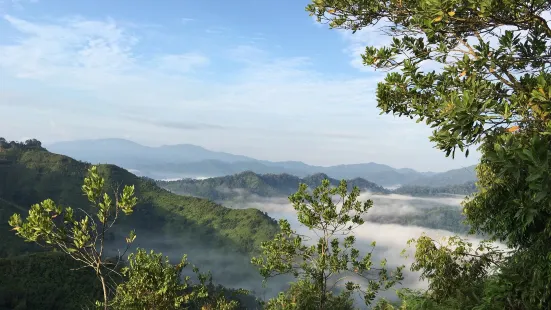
column 84, row 72
column 77, row 52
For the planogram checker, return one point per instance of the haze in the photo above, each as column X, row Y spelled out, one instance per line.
column 391, row 238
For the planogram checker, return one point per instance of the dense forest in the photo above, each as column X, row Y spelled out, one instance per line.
column 427, row 191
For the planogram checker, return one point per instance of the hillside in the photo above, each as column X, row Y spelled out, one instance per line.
column 192, row 161
column 32, row 174
column 46, row 281
column 417, row 190
column 249, row 183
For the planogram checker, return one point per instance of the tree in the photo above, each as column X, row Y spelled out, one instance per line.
column 492, row 90
column 457, row 271
column 305, row 295
column 50, row 224
column 332, row 259
column 33, row 143
column 152, row 282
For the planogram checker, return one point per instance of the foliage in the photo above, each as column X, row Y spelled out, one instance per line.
column 47, row 280
column 28, row 144
column 50, row 224
column 305, row 295
column 12, row 245
column 450, row 266
column 493, row 89
column 152, row 282
column 329, row 257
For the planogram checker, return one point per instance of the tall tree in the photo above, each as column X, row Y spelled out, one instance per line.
column 492, row 90
column 84, row 239
column 332, row 214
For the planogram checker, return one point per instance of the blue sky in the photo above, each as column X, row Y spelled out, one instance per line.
column 258, row 78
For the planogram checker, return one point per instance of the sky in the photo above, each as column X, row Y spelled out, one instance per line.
column 257, row 78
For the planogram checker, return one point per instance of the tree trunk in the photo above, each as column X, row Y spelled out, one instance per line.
column 104, row 291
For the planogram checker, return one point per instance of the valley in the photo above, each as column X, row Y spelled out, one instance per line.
column 217, row 222
column 275, row 155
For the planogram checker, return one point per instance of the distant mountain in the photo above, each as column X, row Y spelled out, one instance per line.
column 453, row 177
column 248, row 183
column 191, row 161
column 128, row 154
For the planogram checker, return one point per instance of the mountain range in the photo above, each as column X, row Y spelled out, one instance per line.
column 192, row 161
column 244, row 185
column 248, row 183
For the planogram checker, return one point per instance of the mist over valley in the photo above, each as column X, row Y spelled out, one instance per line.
column 394, row 219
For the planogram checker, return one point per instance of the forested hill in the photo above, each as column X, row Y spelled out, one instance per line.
column 250, row 183
column 417, row 190
column 245, row 184
column 29, row 174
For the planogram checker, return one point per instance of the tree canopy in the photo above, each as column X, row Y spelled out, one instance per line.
column 490, row 87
